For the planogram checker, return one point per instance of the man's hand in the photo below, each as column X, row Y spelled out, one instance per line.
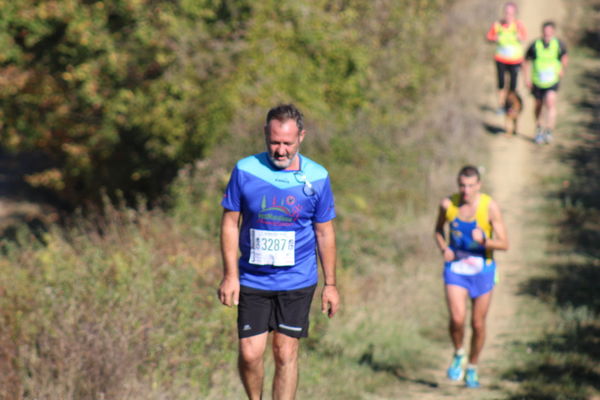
column 229, row 291
column 478, row 236
column 330, row 300
column 528, row 83
column 448, row 254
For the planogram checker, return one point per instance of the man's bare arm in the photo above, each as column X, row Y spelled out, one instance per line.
column 439, row 235
column 229, row 290
column 325, row 235
column 500, row 239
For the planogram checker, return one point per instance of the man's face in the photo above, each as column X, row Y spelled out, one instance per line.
column 283, row 142
column 548, row 33
column 510, row 12
column 468, row 187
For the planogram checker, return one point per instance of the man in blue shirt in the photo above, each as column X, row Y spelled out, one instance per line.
column 278, row 210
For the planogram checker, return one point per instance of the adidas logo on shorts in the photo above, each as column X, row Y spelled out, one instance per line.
column 246, row 327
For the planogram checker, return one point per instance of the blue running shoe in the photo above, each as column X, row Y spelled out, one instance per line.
column 456, row 371
column 471, row 378
column 539, row 138
column 539, row 135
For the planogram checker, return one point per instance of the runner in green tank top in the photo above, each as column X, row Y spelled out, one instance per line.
column 544, row 66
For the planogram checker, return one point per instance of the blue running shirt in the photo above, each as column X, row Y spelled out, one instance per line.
column 278, row 208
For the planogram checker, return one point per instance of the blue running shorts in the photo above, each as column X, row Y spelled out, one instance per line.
column 478, row 284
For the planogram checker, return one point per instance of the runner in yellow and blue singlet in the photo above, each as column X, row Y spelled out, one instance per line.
column 475, row 230
column 474, row 268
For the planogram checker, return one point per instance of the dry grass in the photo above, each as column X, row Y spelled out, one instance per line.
column 112, row 309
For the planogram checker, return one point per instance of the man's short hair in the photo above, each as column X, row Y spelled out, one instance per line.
column 549, row 23
column 284, row 112
column 469, row 171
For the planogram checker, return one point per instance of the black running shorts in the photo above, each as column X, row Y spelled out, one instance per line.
column 286, row 311
column 540, row 93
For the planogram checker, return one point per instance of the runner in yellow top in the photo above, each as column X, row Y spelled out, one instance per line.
column 476, row 229
column 508, row 34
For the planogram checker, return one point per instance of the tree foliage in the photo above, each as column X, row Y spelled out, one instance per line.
column 121, row 93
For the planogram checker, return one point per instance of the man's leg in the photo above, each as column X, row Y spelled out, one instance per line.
column 285, row 353
column 550, row 103
column 514, row 73
column 481, row 305
column 501, row 99
column 456, row 298
column 501, row 74
column 251, row 364
column 537, row 111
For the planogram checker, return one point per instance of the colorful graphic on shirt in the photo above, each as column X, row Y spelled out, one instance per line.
column 282, row 212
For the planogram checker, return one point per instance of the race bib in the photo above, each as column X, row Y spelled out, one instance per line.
column 547, row 76
column 508, row 51
column 274, row 248
column 470, row 265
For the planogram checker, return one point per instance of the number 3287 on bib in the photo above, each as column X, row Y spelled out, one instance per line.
column 274, row 248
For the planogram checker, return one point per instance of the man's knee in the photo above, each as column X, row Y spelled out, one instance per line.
column 250, row 353
column 285, row 351
column 478, row 325
column 457, row 322
column 550, row 99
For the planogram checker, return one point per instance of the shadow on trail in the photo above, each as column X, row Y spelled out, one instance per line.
column 566, row 360
column 486, row 108
column 499, row 130
column 591, row 38
column 576, row 286
column 581, row 199
column 493, row 129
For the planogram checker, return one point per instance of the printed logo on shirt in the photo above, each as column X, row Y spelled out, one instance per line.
column 279, row 212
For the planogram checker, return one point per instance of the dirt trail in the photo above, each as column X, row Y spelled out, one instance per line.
column 511, row 173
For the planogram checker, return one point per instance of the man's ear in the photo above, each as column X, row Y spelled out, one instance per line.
column 301, row 135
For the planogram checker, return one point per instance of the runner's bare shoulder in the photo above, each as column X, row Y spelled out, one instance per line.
column 445, row 203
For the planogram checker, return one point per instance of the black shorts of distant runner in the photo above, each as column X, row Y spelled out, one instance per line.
column 540, row 93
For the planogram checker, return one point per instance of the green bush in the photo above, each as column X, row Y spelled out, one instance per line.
column 121, row 94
